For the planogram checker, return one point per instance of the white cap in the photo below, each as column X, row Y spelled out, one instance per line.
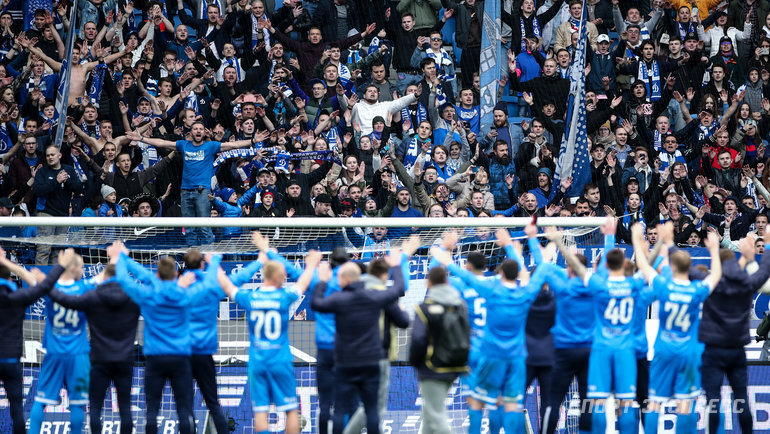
column 603, row 38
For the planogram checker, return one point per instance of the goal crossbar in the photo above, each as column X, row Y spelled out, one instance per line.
column 306, row 222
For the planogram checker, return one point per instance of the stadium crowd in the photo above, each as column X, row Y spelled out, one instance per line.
column 352, row 108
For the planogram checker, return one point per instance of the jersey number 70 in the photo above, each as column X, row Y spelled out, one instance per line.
column 269, row 321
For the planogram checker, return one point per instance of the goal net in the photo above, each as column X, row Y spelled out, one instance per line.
column 151, row 239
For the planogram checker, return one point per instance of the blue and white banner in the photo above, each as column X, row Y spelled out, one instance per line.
column 573, row 154
column 63, row 92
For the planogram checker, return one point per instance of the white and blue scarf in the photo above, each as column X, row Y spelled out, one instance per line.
column 684, row 31
column 255, row 33
column 413, row 151
column 645, row 75
column 97, row 131
column 535, row 30
column 422, row 115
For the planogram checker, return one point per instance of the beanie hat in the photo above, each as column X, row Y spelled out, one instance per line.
column 225, row 194
column 107, row 190
column 502, row 106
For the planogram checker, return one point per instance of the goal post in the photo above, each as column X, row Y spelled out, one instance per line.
column 152, row 238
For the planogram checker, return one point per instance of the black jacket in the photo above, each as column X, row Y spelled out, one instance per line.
column 112, row 318
column 13, row 304
column 357, row 315
column 540, row 319
column 325, row 18
column 725, row 318
column 57, row 196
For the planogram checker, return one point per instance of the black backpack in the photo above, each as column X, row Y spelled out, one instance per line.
column 449, row 336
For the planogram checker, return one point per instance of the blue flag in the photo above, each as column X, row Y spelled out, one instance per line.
column 492, row 59
column 573, row 154
column 63, row 92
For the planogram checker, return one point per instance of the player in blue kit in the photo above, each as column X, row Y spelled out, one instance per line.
column 501, row 368
column 674, row 369
column 612, row 364
column 466, row 281
column 271, row 373
column 573, row 328
column 66, row 362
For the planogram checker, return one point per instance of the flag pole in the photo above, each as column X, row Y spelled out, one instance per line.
column 63, row 92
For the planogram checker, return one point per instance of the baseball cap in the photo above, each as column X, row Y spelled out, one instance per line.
column 603, row 38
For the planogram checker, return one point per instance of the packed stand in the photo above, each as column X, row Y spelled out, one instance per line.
column 363, row 109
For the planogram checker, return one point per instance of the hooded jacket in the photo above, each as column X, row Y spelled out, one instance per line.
column 391, row 316
column 112, row 318
column 440, row 294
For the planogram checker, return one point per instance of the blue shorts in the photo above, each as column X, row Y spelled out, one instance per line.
column 674, row 375
column 611, row 370
column 64, row 370
column 500, row 377
column 468, row 381
column 272, row 385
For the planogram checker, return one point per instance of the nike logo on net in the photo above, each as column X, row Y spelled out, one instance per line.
column 138, row 232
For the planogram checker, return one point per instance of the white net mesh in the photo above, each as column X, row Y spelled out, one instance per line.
column 148, row 244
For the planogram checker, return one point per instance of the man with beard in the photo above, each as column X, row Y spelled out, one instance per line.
column 294, row 203
column 403, row 209
column 501, row 130
column 502, row 176
column 197, row 171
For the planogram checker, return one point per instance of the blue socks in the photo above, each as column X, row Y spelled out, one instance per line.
column 36, row 418
column 474, row 416
column 627, row 420
column 598, row 419
column 77, row 417
column 514, row 422
column 651, row 422
column 496, row 420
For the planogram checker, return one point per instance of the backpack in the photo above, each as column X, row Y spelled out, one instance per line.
column 449, row 336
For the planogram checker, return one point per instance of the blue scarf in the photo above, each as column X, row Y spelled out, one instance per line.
column 535, row 30
column 632, row 217
column 684, row 31
column 647, row 76
column 574, row 24
column 422, row 115
column 97, row 131
column 97, row 82
column 413, row 150
column 281, row 157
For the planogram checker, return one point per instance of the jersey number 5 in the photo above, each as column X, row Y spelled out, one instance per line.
column 619, row 311
column 270, row 321
column 63, row 316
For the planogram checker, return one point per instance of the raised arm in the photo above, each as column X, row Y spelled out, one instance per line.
column 25, row 275
column 158, row 143
column 259, row 136
column 640, row 252
column 712, row 243
column 30, row 295
column 312, row 260
column 577, row 267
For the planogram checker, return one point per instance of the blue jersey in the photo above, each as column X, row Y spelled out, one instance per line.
column 614, row 305
column 66, row 329
column 574, row 328
column 268, row 311
column 203, row 314
column 507, row 309
column 477, row 310
column 680, row 305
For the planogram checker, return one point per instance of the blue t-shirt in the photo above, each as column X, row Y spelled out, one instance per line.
column 198, row 163
column 680, row 304
column 268, row 314
column 66, row 329
column 614, row 301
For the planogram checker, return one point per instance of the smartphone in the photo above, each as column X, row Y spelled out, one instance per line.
column 765, row 51
column 475, row 169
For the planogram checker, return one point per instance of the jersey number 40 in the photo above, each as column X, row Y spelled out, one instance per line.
column 619, row 311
